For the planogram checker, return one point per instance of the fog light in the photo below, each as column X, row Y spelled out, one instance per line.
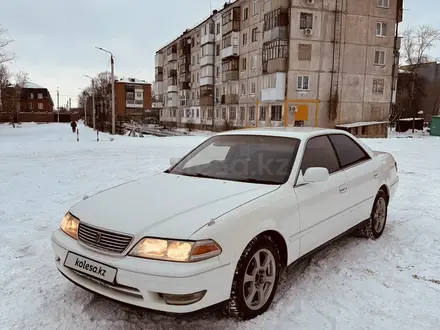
column 183, row 299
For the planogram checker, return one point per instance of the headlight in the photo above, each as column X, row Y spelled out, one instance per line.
column 172, row 250
column 69, row 225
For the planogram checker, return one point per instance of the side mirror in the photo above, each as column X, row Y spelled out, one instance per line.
column 174, row 161
column 316, row 174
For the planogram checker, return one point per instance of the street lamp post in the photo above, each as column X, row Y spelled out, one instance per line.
column 113, row 86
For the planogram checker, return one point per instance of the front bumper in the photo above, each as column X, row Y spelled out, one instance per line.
column 141, row 282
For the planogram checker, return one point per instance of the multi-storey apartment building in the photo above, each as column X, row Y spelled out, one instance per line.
column 282, row 63
column 133, row 97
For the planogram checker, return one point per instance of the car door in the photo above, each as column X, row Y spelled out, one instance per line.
column 321, row 204
column 362, row 177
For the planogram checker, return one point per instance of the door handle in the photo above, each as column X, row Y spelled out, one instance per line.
column 342, row 189
column 376, row 175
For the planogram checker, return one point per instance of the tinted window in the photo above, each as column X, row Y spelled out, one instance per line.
column 348, row 151
column 319, row 153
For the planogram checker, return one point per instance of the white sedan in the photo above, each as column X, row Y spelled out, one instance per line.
column 223, row 221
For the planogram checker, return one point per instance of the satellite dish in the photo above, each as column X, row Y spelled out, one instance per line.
column 188, row 41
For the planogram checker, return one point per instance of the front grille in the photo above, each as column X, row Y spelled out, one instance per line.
column 102, row 239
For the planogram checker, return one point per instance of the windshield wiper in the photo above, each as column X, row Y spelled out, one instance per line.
column 198, row 175
column 253, row 180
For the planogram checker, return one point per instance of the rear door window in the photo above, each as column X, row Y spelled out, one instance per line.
column 348, row 151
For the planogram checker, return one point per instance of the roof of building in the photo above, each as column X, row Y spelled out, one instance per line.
column 31, row 85
column 132, row 81
column 189, row 30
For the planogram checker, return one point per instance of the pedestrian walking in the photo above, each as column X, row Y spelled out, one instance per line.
column 73, row 125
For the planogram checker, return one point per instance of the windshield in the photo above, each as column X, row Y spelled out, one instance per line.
column 246, row 158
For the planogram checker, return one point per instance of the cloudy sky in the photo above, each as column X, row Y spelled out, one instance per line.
column 55, row 39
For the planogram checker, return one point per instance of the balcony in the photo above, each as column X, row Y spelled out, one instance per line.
column 172, row 89
column 230, row 51
column 207, row 60
column 157, row 104
column 230, row 75
column 278, row 32
column 172, row 57
column 273, row 87
column 134, row 104
column 158, row 87
column 206, row 101
column 275, row 65
column 172, row 103
column 230, row 99
column 159, row 60
column 231, row 20
column 158, row 77
column 207, row 38
column 206, row 81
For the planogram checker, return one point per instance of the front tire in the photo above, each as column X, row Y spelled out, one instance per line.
column 378, row 218
column 256, row 279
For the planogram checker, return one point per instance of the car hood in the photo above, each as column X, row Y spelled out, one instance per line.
column 165, row 205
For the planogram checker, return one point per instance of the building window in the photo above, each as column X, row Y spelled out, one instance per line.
column 252, row 113
column 242, row 113
column 40, row 96
column 275, row 49
column 254, row 34
column 306, row 21
column 378, row 86
column 232, row 113
column 245, row 13
column 198, row 77
column 302, row 83
column 224, row 113
column 263, row 113
column 381, row 29
column 31, row 96
column 217, row 50
column 276, row 113
column 253, row 61
column 30, row 106
column 304, row 52
column 383, row 3
column 379, row 57
column 244, row 39
column 217, row 71
column 40, row 106
column 243, row 64
column 255, row 7
column 193, row 62
column 218, row 28
column 243, row 89
column 253, row 88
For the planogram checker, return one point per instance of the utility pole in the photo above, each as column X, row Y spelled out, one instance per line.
column 93, row 105
column 112, row 61
column 58, row 104
column 113, row 95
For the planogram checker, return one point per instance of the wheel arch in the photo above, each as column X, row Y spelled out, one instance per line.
column 279, row 241
column 386, row 190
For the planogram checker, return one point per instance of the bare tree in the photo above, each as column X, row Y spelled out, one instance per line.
column 416, row 43
column 5, row 56
column 11, row 96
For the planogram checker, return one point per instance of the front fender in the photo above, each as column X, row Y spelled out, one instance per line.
column 234, row 230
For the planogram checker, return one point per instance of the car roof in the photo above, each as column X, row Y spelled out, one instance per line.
column 301, row 133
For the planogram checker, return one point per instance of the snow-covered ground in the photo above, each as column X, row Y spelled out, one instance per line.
column 392, row 283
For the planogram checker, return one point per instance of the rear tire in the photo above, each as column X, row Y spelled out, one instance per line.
column 378, row 218
column 256, row 279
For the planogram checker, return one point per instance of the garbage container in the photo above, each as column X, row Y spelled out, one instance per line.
column 434, row 130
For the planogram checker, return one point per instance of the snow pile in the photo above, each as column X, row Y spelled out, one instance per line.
column 392, row 283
